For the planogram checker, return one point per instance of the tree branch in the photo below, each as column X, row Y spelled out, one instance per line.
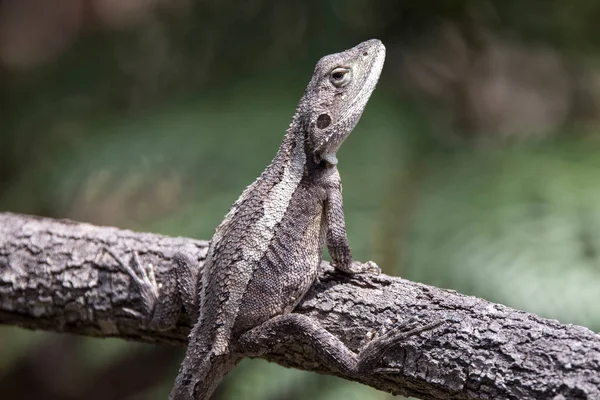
column 56, row 275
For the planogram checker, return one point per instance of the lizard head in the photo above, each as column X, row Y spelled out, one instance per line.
column 337, row 95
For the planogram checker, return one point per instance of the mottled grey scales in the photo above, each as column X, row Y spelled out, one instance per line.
column 265, row 254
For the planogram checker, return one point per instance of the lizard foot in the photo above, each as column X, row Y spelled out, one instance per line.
column 369, row 267
column 144, row 279
column 372, row 353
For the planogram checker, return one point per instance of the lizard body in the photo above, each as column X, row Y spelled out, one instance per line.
column 265, row 254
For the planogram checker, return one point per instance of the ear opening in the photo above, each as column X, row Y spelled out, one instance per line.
column 323, row 121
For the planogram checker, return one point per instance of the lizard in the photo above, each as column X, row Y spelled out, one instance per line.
column 265, row 254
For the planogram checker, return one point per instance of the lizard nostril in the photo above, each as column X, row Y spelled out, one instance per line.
column 365, row 54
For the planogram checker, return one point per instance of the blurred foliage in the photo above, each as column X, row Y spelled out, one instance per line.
column 518, row 226
column 158, row 121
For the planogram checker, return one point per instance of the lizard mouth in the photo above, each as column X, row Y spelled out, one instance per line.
column 367, row 86
column 352, row 113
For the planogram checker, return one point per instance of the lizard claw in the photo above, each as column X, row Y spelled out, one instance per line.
column 370, row 267
column 372, row 353
column 133, row 313
column 145, row 280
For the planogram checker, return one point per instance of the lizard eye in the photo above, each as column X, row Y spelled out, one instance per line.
column 340, row 77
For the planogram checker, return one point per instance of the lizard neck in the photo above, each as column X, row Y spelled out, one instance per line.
column 298, row 138
column 299, row 151
column 293, row 154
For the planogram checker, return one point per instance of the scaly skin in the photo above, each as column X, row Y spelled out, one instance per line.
column 265, row 254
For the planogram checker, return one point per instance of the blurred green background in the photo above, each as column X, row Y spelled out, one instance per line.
column 474, row 166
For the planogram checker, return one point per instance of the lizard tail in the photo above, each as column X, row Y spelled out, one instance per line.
column 198, row 381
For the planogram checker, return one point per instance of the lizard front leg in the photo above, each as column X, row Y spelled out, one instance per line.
column 337, row 240
column 162, row 302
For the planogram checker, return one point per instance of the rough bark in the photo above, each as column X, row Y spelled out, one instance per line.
column 56, row 275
